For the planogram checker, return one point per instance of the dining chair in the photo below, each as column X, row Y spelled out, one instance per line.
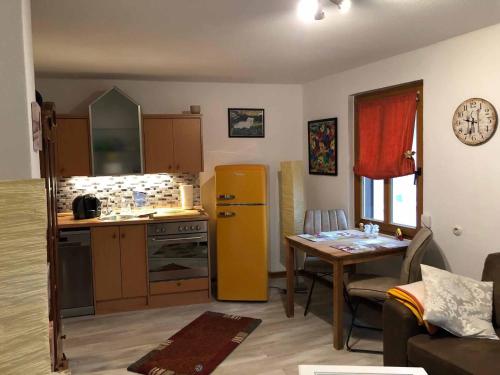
column 316, row 221
column 375, row 287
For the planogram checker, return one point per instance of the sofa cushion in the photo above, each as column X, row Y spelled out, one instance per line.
column 444, row 354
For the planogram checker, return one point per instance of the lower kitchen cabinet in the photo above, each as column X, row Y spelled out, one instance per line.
column 106, row 259
column 133, row 261
column 120, row 267
column 176, row 271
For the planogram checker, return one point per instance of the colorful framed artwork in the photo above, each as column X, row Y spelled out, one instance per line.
column 245, row 123
column 322, row 138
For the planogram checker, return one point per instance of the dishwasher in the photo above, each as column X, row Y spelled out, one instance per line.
column 76, row 295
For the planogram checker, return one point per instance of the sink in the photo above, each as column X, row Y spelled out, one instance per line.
column 117, row 217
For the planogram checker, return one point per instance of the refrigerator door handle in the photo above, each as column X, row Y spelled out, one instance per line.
column 226, row 197
column 227, row 214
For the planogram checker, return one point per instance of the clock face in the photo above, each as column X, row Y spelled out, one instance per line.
column 475, row 121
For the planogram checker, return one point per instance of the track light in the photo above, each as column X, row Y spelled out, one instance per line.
column 310, row 10
column 344, row 5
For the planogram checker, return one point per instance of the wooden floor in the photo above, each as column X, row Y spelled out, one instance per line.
column 107, row 344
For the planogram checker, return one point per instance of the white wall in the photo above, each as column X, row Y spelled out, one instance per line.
column 461, row 183
column 17, row 91
column 283, row 124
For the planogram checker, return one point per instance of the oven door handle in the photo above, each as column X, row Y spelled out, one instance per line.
column 177, row 239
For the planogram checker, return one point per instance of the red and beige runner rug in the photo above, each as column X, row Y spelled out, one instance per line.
column 198, row 348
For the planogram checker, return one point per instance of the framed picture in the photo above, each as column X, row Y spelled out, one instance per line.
column 322, row 138
column 245, row 123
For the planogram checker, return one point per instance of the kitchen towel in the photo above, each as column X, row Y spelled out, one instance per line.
column 186, row 196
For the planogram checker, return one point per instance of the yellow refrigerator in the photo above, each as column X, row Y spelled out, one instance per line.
column 241, row 193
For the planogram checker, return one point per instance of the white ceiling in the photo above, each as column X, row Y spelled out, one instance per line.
column 237, row 40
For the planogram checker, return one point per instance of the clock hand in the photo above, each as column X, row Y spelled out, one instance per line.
column 468, row 121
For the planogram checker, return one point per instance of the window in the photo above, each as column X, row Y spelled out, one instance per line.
column 394, row 202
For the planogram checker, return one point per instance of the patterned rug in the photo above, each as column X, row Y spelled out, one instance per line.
column 199, row 347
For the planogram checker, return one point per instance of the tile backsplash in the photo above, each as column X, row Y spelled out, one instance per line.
column 115, row 191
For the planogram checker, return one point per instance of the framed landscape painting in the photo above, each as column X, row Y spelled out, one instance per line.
column 246, row 123
column 322, row 138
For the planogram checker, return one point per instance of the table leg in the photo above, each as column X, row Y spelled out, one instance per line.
column 338, row 305
column 290, row 279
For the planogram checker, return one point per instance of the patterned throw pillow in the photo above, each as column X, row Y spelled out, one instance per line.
column 458, row 304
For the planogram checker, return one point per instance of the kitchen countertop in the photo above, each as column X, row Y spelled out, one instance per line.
column 66, row 220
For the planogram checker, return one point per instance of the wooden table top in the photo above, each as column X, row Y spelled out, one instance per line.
column 327, row 250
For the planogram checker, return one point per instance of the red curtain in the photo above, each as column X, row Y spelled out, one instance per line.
column 385, row 136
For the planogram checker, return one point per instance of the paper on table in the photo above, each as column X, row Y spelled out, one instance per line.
column 354, row 248
column 332, row 236
column 370, row 241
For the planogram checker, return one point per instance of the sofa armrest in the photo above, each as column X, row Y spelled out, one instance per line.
column 399, row 325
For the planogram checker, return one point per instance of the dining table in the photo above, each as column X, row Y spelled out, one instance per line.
column 340, row 249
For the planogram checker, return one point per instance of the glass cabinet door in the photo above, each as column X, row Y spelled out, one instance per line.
column 115, row 122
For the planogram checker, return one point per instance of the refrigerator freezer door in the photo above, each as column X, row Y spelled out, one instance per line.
column 240, row 184
column 242, row 253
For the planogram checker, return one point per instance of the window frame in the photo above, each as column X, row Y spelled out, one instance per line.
column 386, row 226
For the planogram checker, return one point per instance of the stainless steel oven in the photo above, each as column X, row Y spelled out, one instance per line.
column 177, row 250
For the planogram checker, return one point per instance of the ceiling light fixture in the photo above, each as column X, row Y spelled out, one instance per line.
column 310, row 10
column 344, row 5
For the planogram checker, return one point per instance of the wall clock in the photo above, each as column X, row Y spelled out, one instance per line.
column 475, row 121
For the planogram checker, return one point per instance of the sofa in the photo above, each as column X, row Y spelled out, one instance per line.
column 408, row 344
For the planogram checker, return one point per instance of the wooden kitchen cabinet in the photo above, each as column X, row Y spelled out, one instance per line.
column 119, row 259
column 107, row 263
column 188, row 152
column 158, row 141
column 133, row 261
column 73, row 146
column 172, row 144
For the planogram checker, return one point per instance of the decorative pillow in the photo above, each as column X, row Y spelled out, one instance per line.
column 458, row 304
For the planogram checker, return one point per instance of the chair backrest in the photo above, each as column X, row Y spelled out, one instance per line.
column 410, row 271
column 491, row 272
column 324, row 221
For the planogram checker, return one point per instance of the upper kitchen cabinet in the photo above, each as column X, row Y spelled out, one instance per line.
column 115, row 129
column 172, row 144
column 72, row 146
column 158, row 144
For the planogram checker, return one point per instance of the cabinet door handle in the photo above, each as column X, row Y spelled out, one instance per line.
column 178, row 283
column 123, row 235
column 227, row 214
column 113, row 236
column 226, row 197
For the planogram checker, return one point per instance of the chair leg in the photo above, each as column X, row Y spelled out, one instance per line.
column 347, row 299
column 310, row 295
column 354, row 324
